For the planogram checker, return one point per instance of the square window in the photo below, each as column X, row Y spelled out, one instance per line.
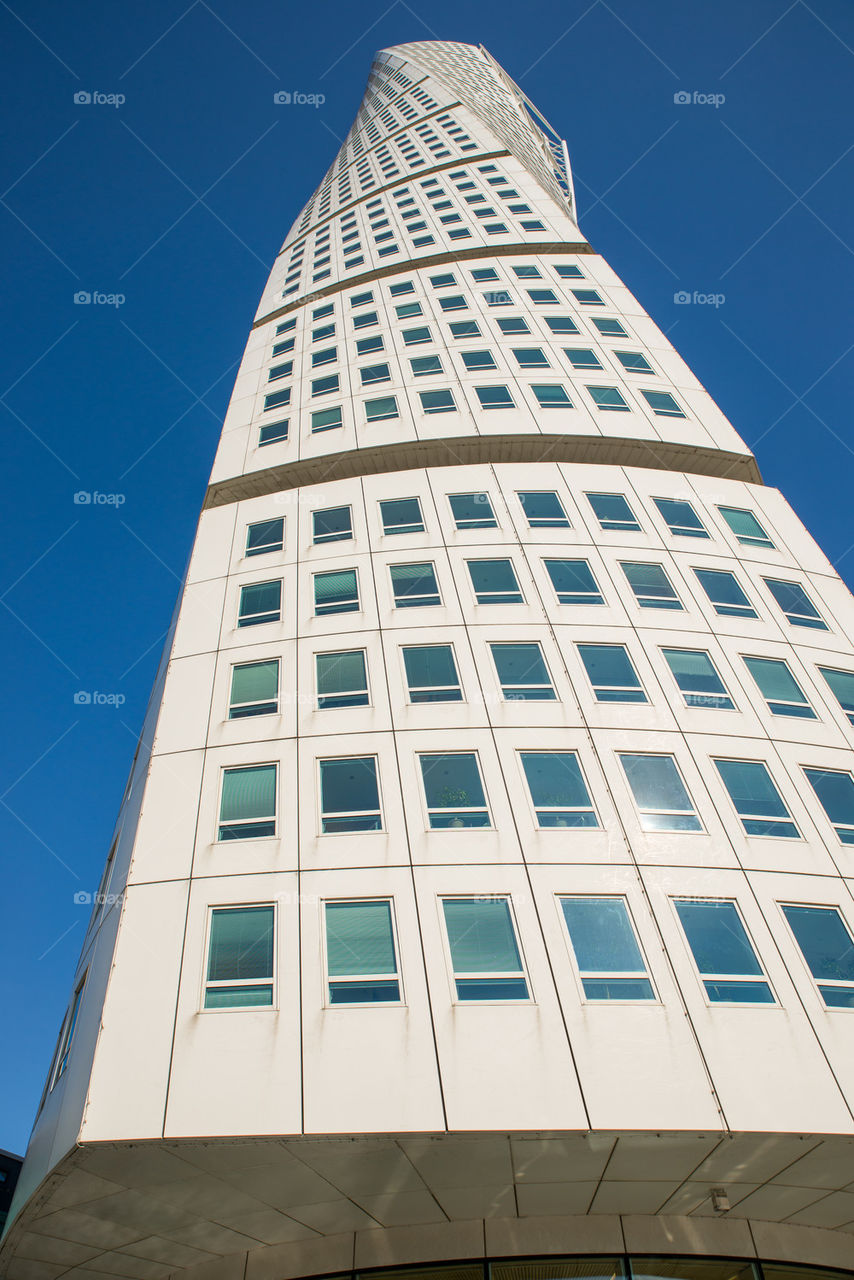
column 474, row 360
column 662, row 404
column 472, row 511
column 635, row 363
column 380, row 410
column 401, row 515
column 522, row 673
column 366, row 346
column 722, row 951
column 485, row 956
column 484, row 274
column 781, row 691
column 841, row 684
column 465, row 329
column 423, row 365
column 320, row 313
column 408, row 309
column 835, row 791
column 240, row 958
column 334, row 524
column 324, row 386
column 681, row 518
column 530, row 358
column 361, row 960
column 342, row 679
column 558, row 791
column 365, row 320
column 273, row 432
column 725, row 594
column 265, row 535
column 349, row 795
column 582, row 358
column 247, row 808
column 286, row 326
column 613, row 512
column 542, row 296
column 795, row 604
column 277, row 399
column 568, row 271
column 260, row 602
column 498, row 298
column 659, row 792
column 494, row 582
column 447, row 280
column 453, row 790
column 510, row 325
column 588, row 297
column 608, row 399
column 280, row 371
column 327, row 355
column 371, row 374
column 605, row 946
column 543, row 510
column 698, row 679
column 827, row 947
column 361, row 299
column 280, row 348
column 412, row 337
column 746, row 527
column 611, row 672
column 551, row 396
column 651, row 586
column 336, row 592
column 326, row 420
column 67, row 1034
column 561, row 324
column 414, row 585
column 431, row 673
column 401, row 288
column 494, row 398
column 573, row 582
column 254, row 689
column 455, row 302
column 437, row 401
column 324, row 331
column 756, row 799
column 526, row 273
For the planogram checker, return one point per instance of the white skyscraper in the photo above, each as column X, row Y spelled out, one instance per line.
column 481, row 898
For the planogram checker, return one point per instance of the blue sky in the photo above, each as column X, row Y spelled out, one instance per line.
column 179, row 198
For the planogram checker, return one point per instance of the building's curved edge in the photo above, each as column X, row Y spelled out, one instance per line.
column 452, row 451
column 481, row 1238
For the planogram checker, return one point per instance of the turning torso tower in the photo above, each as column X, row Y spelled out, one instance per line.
column 481, row 897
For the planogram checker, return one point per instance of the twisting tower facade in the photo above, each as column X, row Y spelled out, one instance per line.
column 482, row 893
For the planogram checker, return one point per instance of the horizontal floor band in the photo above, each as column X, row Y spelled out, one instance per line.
column 430, row 260
column 409, row 455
